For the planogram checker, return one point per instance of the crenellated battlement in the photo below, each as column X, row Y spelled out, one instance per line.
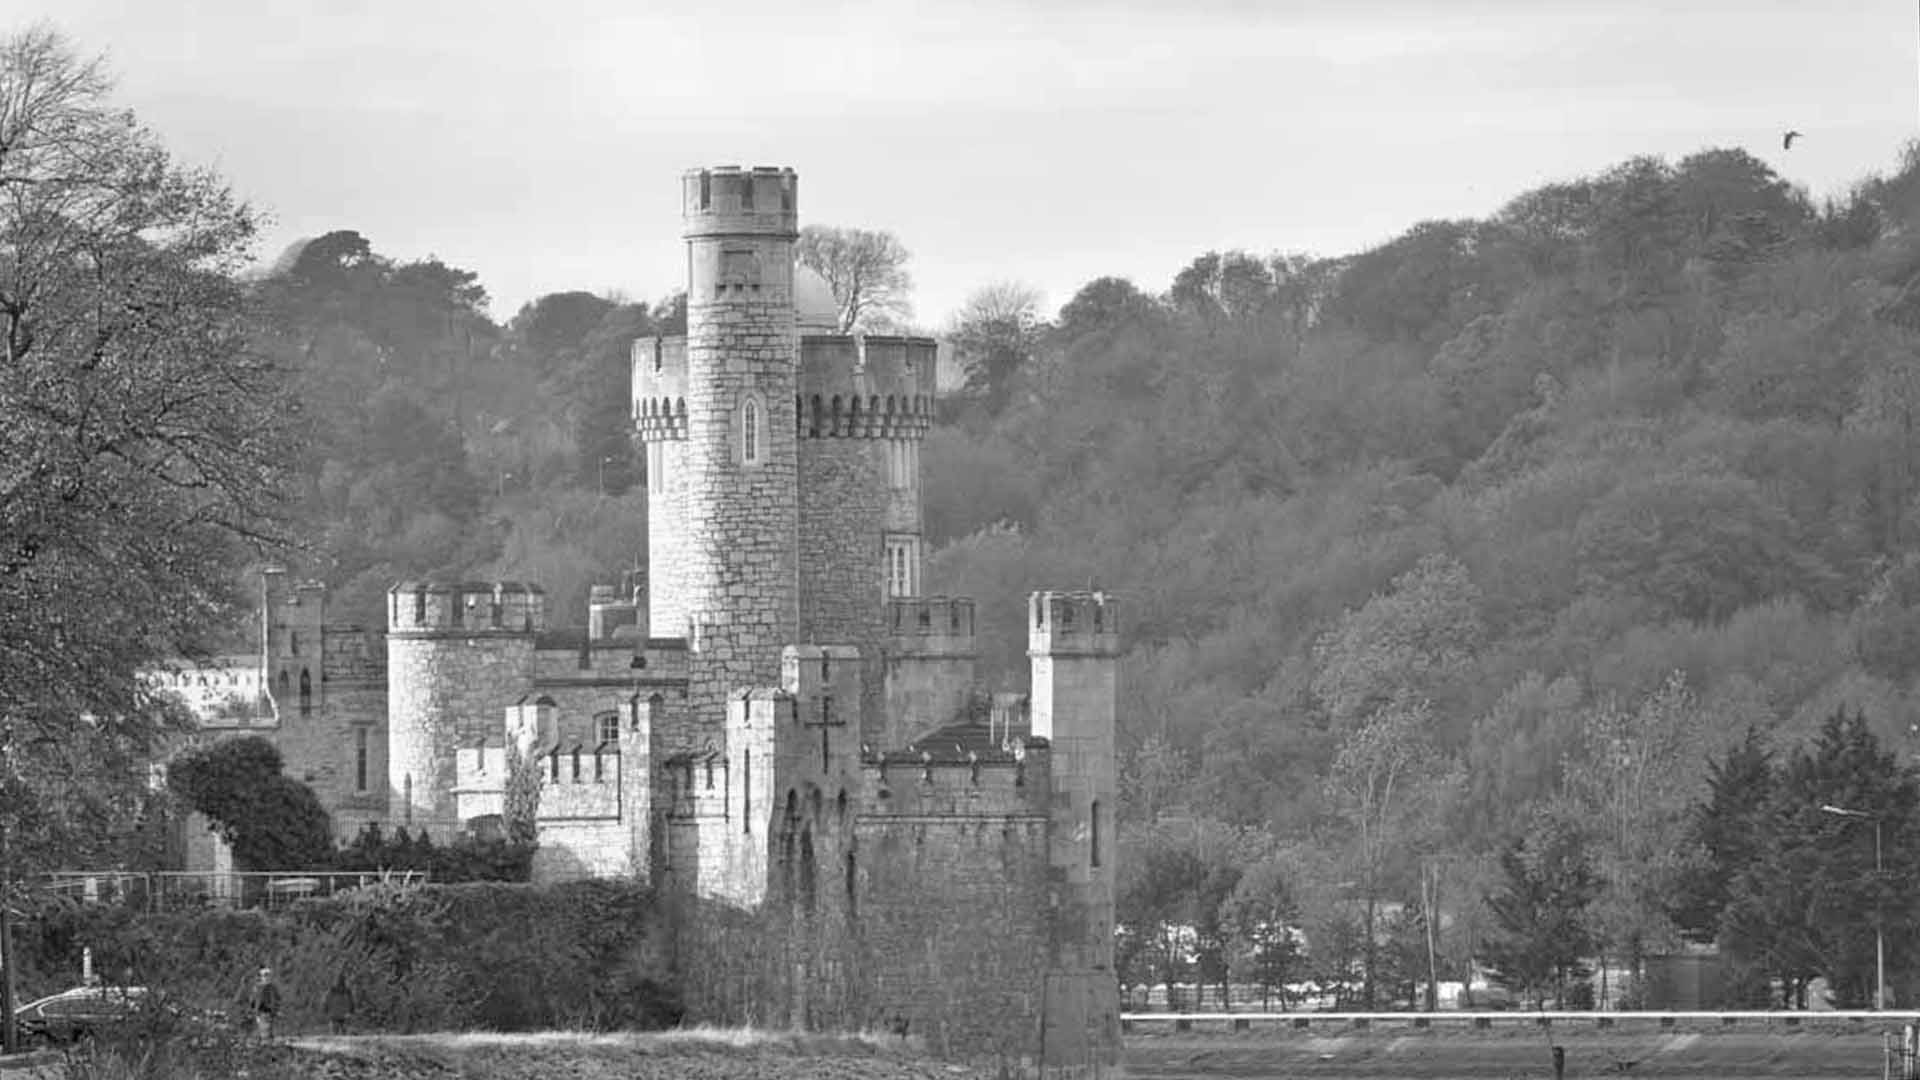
column 979, row 781
column 660, row 388
column 863, row 387
column 1073, row 624
column 931, row 626
column 465, row 608
column 731, row 201
column 697, row 784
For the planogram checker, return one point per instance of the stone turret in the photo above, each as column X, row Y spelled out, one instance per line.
column 717, row 417
column 457, row 655
column 1074, row 646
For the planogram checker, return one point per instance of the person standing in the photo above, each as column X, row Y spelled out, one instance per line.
column 338, row 1004
column 266, row 1003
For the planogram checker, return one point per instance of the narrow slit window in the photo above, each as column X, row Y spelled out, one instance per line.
column 1095, row 831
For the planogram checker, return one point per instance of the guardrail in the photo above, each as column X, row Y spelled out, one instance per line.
column 1360, row 1021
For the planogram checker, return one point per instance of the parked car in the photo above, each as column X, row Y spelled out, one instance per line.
column 76, row 1013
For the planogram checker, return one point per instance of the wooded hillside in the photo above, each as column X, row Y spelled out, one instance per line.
column 1504, row 527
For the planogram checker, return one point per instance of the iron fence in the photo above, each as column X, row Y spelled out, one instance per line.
column 176, row 890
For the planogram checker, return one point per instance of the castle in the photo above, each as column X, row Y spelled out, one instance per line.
column 778, row 720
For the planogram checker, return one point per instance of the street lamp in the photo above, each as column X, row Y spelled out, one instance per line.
column 1879, row 929
column 604, row 462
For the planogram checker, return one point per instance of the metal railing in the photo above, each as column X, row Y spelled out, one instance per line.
column 184, row 889
column 1666, row 1018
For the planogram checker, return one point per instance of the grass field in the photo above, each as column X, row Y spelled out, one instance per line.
column 695, row 1054
column 712, row 1054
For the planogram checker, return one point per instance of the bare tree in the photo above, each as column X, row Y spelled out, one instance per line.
column 866, row 270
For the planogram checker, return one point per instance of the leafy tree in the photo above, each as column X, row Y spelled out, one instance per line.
column 1629, row 784
column 556, row 325
column 1262, row 919
column 142, row 439
column 867, row 270
column 522, row 796
column 1406, row 642
column 1541, row 930
column 1388, row 787
column 1808, row 904
column 1729, row 828
column 1234, row 285
column 272, row 821
column 994, row 334
column 1105, row 306
column 1153, row 905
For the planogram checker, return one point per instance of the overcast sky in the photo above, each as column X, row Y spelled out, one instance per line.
column 1052, row 142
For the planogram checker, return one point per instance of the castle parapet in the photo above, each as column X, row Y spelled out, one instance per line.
column 697, row 784
column 1073, row 624
column 660, row 388
column 936, row 780
column 731, row 201
column 931, row 626
column 866, row 387
column 608, row 611
column 466, row 608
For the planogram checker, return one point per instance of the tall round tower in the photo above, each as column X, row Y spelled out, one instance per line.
column 718, row 418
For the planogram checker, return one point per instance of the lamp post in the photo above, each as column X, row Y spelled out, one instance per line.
column 1879, row 927
column 604, row 462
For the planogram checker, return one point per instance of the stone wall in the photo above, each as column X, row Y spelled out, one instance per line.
column 842, row 563
column 952, row 928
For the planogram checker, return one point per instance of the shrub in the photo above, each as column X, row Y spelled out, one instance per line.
column 485, row 955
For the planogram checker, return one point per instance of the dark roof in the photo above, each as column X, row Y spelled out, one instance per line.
column 961, row 742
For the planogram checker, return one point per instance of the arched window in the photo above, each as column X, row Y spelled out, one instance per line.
column 750, row 432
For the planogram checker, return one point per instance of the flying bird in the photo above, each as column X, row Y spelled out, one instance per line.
column 1786, row 141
